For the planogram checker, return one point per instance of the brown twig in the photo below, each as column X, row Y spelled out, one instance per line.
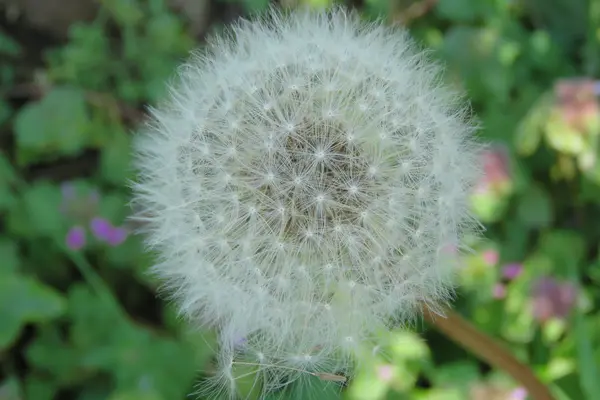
column 462, row 332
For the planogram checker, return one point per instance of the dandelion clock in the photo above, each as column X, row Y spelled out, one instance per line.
column 305, row 185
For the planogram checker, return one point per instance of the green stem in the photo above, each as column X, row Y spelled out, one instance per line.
column 92, row 278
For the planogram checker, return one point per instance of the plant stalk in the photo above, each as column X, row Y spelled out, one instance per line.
column 465, row 334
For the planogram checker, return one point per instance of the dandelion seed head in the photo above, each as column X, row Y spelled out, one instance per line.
column 298, row 186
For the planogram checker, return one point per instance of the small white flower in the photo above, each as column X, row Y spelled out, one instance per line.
column 299, row 184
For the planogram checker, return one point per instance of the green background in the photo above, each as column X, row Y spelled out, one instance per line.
column 87, row 324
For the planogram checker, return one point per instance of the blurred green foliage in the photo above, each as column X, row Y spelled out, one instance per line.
column 79, row 318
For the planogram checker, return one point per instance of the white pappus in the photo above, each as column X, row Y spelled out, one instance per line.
column 304, row 185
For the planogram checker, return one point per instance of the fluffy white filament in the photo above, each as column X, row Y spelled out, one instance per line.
column 305, row 185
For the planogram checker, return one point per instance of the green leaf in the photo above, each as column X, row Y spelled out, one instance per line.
column 368, row 385
column 472, row 53
column 565, row 248
column 559, row 367
column 407, row 346
column 24, row 300
column 461, row 10
column 314, row 388
column 489, row 206
column 203, row 344
column 127, row 12
column 136, row 395
column 585, row 330
column 132, row 354
column 516, row 242
column 39, row 388
column 9, row 257
column 586, row 354
column 95, row 322
column 562, row 136
column 255, row 6
column 372, row 8
column 56, row 358
column 9, row 46
column 128, row 255
column 459, row 373
column 530, row 131
column 490, row 318
column 535, row 208
column 248, row 380
column 5, row 108
column 38, row 213
column 113, row 206
column 54, row 126
column 116, row 158
column 166, row 32
column 439, row 394
column 86, row 59
column 8, row 178
column 135, row 356
column 517, row 324
column 10, row 389
column 562, row 18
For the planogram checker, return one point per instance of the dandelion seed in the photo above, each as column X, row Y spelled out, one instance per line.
column 378, row 164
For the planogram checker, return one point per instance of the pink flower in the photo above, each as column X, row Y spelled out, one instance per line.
column 499, row 291
column 385, row 372
column 518, row 394
column 552, row 299
column 577, row 101
column 496, row 170
column 490, row 257
column 512, row 270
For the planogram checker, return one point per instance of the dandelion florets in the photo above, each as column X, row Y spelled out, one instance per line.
column 302, row 186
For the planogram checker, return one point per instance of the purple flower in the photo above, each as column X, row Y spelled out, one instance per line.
column 512, row 270
column 75, row 238
column 552, row 299
column 81, row 211
column 101, row 228
column 106, row 232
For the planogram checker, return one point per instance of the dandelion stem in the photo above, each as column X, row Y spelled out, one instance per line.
column 462, row 332
column 92, row 278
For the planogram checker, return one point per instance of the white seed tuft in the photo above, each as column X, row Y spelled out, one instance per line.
column 299, row 186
